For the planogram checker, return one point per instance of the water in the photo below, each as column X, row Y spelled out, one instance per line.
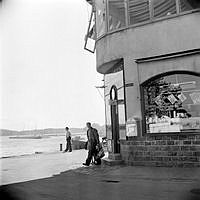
column 17, row 147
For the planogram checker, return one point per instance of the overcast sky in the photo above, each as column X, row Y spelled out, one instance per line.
column 47, row 78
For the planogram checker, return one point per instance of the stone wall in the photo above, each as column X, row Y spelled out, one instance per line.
column 180, row 150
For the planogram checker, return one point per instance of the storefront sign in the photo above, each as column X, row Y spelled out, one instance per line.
column 131, row 127
column 158, row 100
column 131, row 130
column 112, row 102
column 120, row 101
column 129, row 84
column 188, row 85
column 182, row 97
column 195, row 96
column 172, row 98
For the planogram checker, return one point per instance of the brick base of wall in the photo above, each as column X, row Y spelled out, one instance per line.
column 169, row 150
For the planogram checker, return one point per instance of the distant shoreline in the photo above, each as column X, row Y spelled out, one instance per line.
column 52, row 131
column 48, row 131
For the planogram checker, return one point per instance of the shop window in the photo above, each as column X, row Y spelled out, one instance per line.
column 100, row 6
column 116, row 18
column 186, row 5
column 162, row 8
column 172, row 104
column 138, row 11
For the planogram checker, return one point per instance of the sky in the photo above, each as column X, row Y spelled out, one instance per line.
column 47, row 79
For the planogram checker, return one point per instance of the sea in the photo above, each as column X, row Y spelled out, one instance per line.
column 11, row 146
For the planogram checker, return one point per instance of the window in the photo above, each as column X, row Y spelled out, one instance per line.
column 91, row 34
column 117, row 17
column 100, row 6
column 138, row 11
column 172, row 103
column 115, row 14
column 163, row 8
column 186, row 5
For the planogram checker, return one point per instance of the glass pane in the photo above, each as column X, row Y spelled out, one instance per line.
column 186, row 5
column 191, row 90
column 164, row 7
column 91, row 35
column 172, row 103
column 100, row 6
column 116, row 14
column 138, row 11
column 121, row 112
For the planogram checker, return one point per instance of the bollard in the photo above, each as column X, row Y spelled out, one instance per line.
column 60, row 147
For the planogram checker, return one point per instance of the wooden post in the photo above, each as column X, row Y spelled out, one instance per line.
column 60, row 147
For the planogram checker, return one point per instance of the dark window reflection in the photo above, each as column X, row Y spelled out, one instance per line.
column 186, row 5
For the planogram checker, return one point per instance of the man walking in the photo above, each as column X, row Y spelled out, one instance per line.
column 93, row 141
column 68, row 139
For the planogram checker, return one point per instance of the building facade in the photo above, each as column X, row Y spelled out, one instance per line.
column 149, row 53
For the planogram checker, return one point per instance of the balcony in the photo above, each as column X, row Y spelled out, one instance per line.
column 110, row 16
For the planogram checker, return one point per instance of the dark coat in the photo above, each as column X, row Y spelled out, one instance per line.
column 93, row 137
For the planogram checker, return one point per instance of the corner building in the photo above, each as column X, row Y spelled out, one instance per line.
column 149, row 53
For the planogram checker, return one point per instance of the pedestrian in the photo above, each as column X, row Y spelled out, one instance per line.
column 68, row 139
column 93, row 142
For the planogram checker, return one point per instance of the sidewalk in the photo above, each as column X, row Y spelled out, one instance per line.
column 112, row 183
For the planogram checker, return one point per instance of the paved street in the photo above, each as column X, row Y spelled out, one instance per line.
column 112, row 183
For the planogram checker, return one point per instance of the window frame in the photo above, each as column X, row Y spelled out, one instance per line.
column 93, row 13
column 107, row 16
column 142, row 86
column 166, row 16
column 144, row 22
column 151, row 20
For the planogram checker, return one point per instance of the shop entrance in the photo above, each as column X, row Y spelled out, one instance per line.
column 114, row 119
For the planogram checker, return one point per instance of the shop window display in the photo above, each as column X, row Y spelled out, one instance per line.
column 172, row 104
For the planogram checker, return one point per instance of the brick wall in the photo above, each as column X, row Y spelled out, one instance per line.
column 182, row 150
